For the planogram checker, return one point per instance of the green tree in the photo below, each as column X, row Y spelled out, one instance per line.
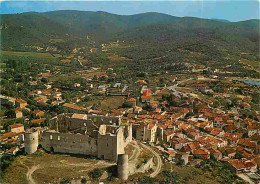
column 10, row 113
column 65, row 181
column 147, row 179
column 96, row 173
column 83, row 180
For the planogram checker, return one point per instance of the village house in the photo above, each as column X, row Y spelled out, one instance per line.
column 38, row 113
column 218, row 122
column 16, row 128
column 241, row 166
column 90, row 85
column 12, row 136
column 200, row 77
column 173, row 78
column 20, row 103
column 168, row 135
column 18, row 114
column 199, row 86
column 228, row 152
column 138, row 109
column 145, row 99
column 32, row 83
column 178, row 143
column 38, row 92
column 200, row 153
column 146, row 132
column 76, row 99
column 141, row 82
column 150, row 132
column 215, row 153
column 76, row 85
column 252, row 130
column 132, row 102
column 13, row 151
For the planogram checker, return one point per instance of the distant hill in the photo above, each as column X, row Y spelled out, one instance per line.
column 220, row 20
column 36, row 29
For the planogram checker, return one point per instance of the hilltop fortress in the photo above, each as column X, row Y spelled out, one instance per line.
column 97, row 135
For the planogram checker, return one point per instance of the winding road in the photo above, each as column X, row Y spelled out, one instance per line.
column 30, row 172
column 159, row 160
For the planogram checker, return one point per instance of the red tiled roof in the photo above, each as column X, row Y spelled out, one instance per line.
column 16, row 125
column 218, row 119
column 8, row 134
column 237, row 164
column 72, row 106
column 169, row 133
column 200, row 152
column 20, row 101
column 131, row 100
column 37, row 111
column 38, row 120
column 146, row 97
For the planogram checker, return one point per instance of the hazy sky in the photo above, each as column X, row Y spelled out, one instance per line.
column 229, row 10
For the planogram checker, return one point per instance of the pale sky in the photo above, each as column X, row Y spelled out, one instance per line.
column 229, row 10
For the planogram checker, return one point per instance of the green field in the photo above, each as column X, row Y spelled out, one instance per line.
column 250, row 62
column 24, row 58
column 25, row 53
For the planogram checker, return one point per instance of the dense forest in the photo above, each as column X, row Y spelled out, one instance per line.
column 19, row 30
column 152, row 41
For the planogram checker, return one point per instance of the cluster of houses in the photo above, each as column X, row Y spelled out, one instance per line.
column 187, row 129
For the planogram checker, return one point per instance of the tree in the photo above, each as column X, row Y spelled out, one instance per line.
column 180, row 162
column 238, row 155
column 245, row 135
column 7, row 104
column 10, row 113
column 96, row 173
column 146, row 179
column 170, row 177
column 83, row 180
column 65, row 181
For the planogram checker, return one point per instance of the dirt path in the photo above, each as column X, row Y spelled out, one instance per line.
column 136, row 151
column 246, row 178
column 159, row 160
column 99, row 163
column 30, row 172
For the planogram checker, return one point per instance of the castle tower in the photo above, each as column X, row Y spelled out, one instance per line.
column 122, row 166
column 31, row 141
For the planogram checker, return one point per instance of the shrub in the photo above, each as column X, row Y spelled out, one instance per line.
column 96, row 173
column 83, row 180
column 147, row 179
column 65, row 181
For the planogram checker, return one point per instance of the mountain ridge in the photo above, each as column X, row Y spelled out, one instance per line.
column 37, row 28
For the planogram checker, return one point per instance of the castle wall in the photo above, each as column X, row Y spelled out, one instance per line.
column 107, row 120
column 120, row 141
column 64, row 122
column 129, row 133
column 107, row 144
column 69, row 143
column 107, row 147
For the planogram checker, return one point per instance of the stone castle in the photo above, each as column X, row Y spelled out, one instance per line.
column 96, row 135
